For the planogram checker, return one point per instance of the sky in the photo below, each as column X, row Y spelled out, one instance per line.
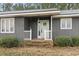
column 39, row 1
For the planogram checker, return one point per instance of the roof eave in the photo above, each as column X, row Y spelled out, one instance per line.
column 71, row 15
column 31, row 14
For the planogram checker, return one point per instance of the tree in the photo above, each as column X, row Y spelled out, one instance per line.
column 26, row 6
column 7, row 6
column 18, row 6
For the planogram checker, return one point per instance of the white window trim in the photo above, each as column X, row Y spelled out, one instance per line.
column 65, row 23
column 9, row 25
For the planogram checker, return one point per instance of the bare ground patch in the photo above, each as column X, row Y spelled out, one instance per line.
column 40, row 51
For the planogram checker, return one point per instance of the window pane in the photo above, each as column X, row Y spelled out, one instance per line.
column 7, row 25
column 3, row 25
column 69, row 23
column 63, row 23
column 11, row 25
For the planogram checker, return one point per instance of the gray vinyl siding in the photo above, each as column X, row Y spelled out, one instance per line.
column 19, row 29
column 65, row 32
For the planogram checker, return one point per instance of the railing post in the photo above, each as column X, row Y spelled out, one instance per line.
column 51, row 27
column 30, row 34
column 45, row 34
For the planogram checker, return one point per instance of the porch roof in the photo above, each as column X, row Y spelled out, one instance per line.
column 27, row 13
column 68, row 13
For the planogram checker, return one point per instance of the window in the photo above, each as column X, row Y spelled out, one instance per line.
column 7, row 25
column 44, row 23
column 66, row 23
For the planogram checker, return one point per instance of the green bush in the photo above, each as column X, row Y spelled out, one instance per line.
column 63, row 41
column 9, row 41
column 75, row 41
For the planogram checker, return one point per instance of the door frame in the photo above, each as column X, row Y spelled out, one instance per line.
column 37, row 28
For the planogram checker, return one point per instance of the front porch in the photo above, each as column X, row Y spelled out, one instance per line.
column 38, row 28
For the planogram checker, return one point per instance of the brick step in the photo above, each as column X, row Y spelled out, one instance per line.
column 38, row 43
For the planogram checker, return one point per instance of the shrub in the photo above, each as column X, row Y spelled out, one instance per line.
column 75, row 41
column 9, row 41
column 63, row 41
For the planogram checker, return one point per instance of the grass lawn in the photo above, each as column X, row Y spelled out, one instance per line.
column 37, row 51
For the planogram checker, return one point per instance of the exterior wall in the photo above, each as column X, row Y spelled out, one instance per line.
column 32, row 22
column 65, row 32
column 19, row 29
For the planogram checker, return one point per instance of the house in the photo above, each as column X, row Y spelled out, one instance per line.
column 39, row 24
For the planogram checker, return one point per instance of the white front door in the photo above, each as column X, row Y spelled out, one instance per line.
column 42, row 26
